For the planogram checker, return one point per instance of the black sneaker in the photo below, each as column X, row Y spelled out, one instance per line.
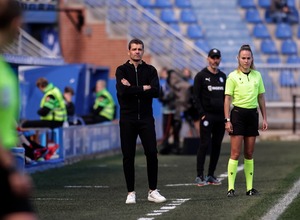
column 230, row 193
column 252, row 192
column 213, row 180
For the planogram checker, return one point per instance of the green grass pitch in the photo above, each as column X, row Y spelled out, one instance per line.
column 95, row 189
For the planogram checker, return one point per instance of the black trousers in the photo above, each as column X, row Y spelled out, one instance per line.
column 129, row 131
column 212, row 130
column 9, row 202
column 42, row 124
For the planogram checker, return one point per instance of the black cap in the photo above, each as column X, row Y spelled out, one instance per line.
column 214, row 53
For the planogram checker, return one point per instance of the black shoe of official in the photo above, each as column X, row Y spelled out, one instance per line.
column 252, row 192
column 231, row 193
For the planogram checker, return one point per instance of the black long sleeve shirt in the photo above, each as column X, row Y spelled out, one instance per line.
column 135, row 103
column 209, row 91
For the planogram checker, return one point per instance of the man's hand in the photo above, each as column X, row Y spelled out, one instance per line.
column 125, row 82
column 20, row 184
column 146, row 87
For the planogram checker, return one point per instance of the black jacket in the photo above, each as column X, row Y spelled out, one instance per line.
column 135, row 103
column 209, row 91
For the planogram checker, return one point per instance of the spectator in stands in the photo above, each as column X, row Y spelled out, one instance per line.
column 104, row 105
column 209, row 86
column 191, row 113
column 170, row 125
column 52, row 110
column 137, row 85
column 245, row 91
column 15, row 186
column 279, row 11
column 68, row 94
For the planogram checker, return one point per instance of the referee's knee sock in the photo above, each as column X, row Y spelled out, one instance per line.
column 249, row 171
column 232, row 169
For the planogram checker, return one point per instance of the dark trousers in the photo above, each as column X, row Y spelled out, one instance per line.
column 42, row 124
column 129, row 131
column 212, row 130
column 169, row 123
column 94, row 119
column 9, row 202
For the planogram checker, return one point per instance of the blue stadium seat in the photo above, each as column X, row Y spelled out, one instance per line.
column 264, row 3
column 274, row 59
column 293, row 16
column 202, row 44
column 261, row 31
column 247, row 3
column 151, row 11
column 168, row 16
column 291, row 3
column 293, row 59
column 283, row 31
column 268, row 18
column 183, row 3
column 145, row 3
column 194, row 31
column 289, row 47
column 298, row 32
column 287, row 79
column 252, row 16
column 188, row 16
column 268, row 46
column 163, row 4
column 175, row 27
column 95, row 3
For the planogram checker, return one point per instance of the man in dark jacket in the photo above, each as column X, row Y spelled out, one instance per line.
column 209, row 87
column 137, row 84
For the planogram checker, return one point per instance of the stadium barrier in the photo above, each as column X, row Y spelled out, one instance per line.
column 78, row 142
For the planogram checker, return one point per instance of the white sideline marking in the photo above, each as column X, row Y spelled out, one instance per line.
column 283, row 203
column 164, row 209
column 221, row 177
column 86, row 187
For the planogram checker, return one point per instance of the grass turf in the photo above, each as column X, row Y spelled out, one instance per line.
column 102, row 194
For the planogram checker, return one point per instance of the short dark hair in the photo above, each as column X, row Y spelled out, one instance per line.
column 42, row 82
column 135, row 41
column 9, row 10
column 69, row 89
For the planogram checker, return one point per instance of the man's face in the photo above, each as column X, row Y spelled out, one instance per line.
column 136, row 52
column 214, row 61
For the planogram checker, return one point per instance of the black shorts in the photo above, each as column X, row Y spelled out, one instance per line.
column 9, row 202
column 244, row 121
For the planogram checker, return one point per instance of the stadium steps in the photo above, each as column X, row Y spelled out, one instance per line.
column 222, row 28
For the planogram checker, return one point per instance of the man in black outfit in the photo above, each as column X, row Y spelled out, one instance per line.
column 209, row 87
column 137, row 84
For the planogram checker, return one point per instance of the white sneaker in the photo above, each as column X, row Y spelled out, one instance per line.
column 154, row 196
column 131, row 198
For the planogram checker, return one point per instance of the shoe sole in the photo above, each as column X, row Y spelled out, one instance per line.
column 130, row 202
column 215, row 184
column 201, row 184
column 156, row 201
